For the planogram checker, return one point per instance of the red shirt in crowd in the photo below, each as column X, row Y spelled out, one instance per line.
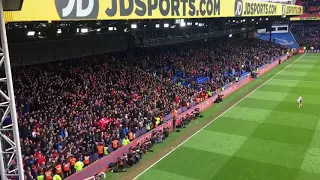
column 55, row 154
column 41, row 160
column 103, row 122
column 177, row 98
column 216, row 67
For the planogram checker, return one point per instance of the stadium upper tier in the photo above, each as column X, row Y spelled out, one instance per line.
column 307, row 35
column 310, row 6
column 45, row 10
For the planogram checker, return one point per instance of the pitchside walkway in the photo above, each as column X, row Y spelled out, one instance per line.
column 263, row 136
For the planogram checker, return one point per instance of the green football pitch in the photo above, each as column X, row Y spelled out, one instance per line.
column 264, row 136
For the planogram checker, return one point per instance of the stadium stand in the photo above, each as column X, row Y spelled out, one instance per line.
column 209, row 67
column 68, row 108
column 279, row 1
column 285, row 39
column 310, row 7
column 96, row 87
column 307, row 35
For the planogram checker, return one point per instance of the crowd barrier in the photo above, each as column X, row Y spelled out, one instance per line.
column 102, row 164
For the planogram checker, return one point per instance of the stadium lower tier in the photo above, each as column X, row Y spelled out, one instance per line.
column 69, row 111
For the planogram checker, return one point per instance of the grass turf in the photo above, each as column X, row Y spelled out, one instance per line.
column 265, row 136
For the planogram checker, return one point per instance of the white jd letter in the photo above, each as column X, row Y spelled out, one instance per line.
column 239, row 8
column 84, row 12
column 67, row 10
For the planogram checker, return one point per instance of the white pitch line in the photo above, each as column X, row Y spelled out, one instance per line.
column 216, row 118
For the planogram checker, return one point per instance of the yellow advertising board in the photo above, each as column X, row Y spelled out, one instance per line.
column 305, row 19
column 57, row 10
column 293, row 10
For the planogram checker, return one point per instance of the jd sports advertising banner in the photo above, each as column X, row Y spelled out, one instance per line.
column 56, row 10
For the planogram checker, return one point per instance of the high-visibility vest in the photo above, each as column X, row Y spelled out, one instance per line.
column 57, row 177
column 40, row 177
column 115, row 144
column 125, row 142
column 78, row 166
column 237, row 79
column 188, row 105
column 48, row 175
column 66, row 166
column 100, row 149
column 157, row 120
column 86, row 160
column 73, row 161
column 130, row 134
column 105, row 151
column 148, row 127
column 58, row 169
column 174, row 113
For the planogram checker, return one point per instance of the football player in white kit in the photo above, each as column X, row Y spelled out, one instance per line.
column 300, row 101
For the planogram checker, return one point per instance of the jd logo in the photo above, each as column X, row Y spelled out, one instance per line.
column 238, row 8
column 77, row 9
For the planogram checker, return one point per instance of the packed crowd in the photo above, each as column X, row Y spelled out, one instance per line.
column 307, row 35
column 135, row 154
column 71, row 110
column 216, row 63
column 74, row 108
column 310, row 6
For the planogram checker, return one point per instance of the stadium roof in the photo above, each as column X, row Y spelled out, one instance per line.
column 278, row 1
column 12, row 5
column 57, row 10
